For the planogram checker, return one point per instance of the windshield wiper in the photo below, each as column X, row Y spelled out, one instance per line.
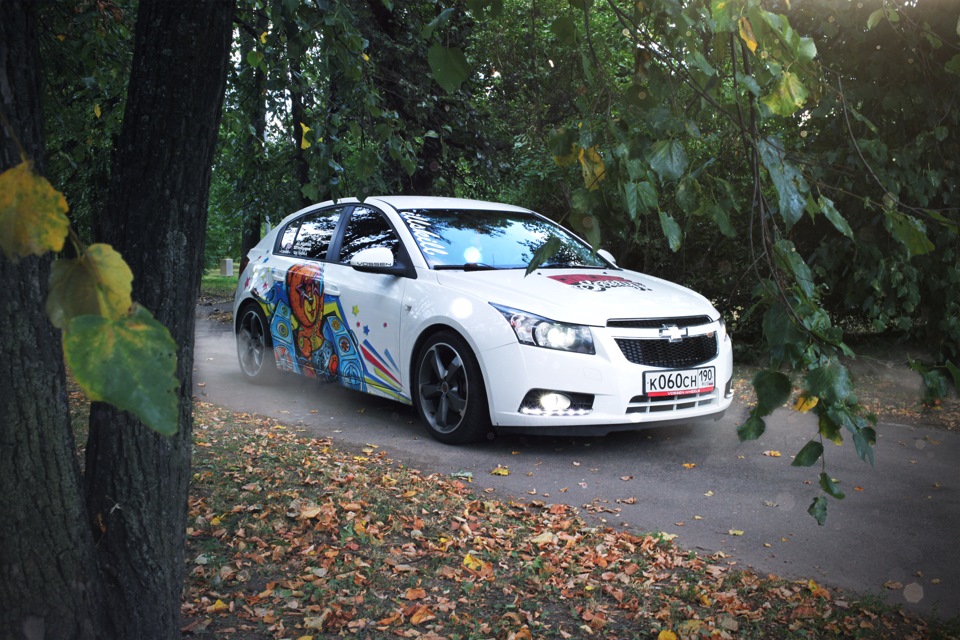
column 469, row 266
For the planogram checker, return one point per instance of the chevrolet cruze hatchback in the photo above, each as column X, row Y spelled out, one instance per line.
column 428, row 301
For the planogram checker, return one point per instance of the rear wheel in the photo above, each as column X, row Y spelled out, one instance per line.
column 451, row 397
column 254, row 346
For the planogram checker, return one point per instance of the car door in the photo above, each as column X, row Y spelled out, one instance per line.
column 362, row 311
column 295, row 297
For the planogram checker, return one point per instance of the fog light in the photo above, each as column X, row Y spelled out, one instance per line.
column 554, row 402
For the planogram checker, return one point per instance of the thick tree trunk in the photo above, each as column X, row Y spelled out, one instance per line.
column 48, row 586
column 156, row 218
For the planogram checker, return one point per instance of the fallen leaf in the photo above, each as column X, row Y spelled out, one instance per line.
column 423, row 614
column 735, row 532
column 500, row 471
column 666, row 635
column 689, row 465
column 772, row 454
column 415, row 594
column 626, row 478
column 893, row 585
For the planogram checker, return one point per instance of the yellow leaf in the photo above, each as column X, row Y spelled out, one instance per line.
column 772, row 454
column 689, row 465
column 33, row 217
column 735, row 532
column 218, row 607
column 500, row 471
column 666, row 635
column 96, row 111
column 263, row 38
column 568, row 159
column 472, row 563
column 304, row 143
column 365, row 57
column 592, row 167
column 805, row 403
column 746, row 33
column 97, row 283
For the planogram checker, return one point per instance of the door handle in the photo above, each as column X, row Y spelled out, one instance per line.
column 331, row 289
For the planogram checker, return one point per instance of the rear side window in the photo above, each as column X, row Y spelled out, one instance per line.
column 309, row 236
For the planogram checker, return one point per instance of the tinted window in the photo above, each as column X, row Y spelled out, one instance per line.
column 367, row 228
column 309, row 236
column 501, row 239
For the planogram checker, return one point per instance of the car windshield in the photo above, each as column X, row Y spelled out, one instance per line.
column 475, row 239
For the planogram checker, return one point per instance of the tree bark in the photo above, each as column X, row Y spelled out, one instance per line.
column 252, row 212
column 48, row 586
column 156, row 216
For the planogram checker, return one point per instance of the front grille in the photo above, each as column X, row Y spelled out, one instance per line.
column 656, row 323
column 646, row 404
column 688, row 352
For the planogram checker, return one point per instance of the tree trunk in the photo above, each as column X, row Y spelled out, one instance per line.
column 48, row 586
column 252, row 213
column 156, row 218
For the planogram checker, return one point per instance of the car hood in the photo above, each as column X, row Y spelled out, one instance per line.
column 580, row 296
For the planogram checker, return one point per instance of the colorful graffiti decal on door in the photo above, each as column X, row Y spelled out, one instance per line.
column 312, row 338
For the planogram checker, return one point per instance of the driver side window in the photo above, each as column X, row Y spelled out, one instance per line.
column 366, row 229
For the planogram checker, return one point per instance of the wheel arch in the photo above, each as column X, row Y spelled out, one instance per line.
column 427, row 333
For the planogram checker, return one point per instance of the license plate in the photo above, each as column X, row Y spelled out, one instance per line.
column 679, row 383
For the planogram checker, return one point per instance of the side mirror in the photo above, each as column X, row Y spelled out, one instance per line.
column 379, row 260
column 373, row 258
column 606, row 255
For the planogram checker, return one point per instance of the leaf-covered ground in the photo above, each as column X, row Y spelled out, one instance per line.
column 290, row 538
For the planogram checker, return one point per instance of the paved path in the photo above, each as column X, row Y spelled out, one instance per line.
column 896, row 535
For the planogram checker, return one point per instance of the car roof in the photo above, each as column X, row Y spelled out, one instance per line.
column 405, row 203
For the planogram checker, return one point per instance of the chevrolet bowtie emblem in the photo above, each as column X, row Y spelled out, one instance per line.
column 673, row 333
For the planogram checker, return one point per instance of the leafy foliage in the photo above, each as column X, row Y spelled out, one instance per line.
column 117, row 351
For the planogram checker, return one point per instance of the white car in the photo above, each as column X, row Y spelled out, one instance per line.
column 427, row 301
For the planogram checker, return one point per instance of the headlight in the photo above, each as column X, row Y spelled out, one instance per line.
column 540, row 332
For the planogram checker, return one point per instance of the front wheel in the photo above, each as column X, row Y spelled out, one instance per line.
column 451, row 397
column 255, row 347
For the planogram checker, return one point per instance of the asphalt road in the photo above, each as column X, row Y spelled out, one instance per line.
column 896, row 535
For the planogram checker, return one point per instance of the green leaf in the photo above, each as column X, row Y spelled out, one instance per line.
column 449, row 66
column 788, row 181
column 790, row 260
column 97, row 283
column 863, row 441
column 830, row 382
column 752, row 429
column 836, row 219
column 565, row 30
column 828, row 485
column 773, row 389
column 722, row 219
column 953, row 65
column 668, row 159
column 875, row 18
column 954, row 372
column 818, row 509
column 254, row 58
column 910, row 232
column 809, row 455
column 437, row 23
column 671, row 230
column 789, row 95
column 546, row 251
column 829, row 429
column 724, row 15
column 129, row 362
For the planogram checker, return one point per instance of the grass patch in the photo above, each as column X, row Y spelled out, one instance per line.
column 214, row 286
column 289, row 537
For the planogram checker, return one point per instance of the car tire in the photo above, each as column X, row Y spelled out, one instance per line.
column 450, row 393
column 255, row 346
